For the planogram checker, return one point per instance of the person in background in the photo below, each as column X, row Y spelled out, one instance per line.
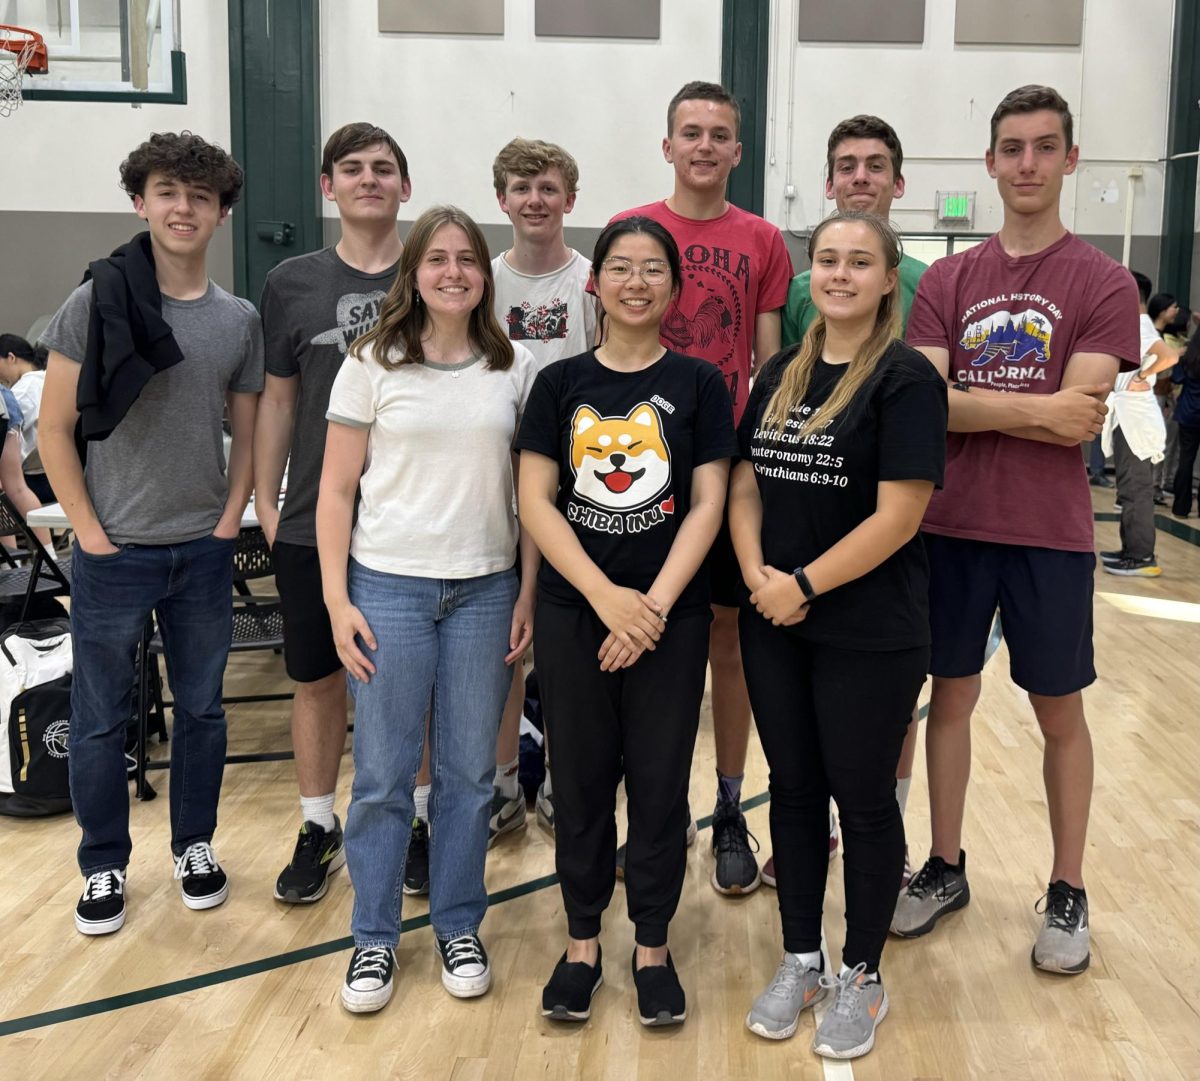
column 1187, row 415
column 23, row 371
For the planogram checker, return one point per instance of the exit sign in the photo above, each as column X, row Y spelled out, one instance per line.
column 956, row 207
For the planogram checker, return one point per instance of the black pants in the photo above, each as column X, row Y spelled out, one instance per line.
column 640, row 721
column 1189, row 444
column 1135, row 490
column 832, row 722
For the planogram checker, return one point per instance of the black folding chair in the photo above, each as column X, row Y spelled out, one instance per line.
column 43, row 576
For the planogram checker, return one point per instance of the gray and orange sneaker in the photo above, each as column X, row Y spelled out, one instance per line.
column 860, row 1003
column 793, row 989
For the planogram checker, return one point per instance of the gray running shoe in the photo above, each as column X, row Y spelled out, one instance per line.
column 848, row 1029
column 1063, row 945
column 507, row 815
column 794, row 988
column 933, row 891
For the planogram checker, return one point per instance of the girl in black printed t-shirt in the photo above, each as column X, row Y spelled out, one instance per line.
column 842, row 443
column 624, row 463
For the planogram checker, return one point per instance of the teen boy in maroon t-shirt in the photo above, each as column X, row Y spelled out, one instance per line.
column 1029, row 328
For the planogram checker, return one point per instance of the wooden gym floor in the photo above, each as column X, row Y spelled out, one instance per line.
column 250, row 990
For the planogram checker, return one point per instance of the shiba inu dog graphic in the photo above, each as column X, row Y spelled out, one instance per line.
column 622, row 464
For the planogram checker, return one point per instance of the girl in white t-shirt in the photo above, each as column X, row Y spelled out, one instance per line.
column 422, row 589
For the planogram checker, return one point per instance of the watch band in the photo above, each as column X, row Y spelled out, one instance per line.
column 805, row 585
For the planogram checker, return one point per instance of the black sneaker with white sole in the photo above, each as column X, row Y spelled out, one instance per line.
column 319, row 852
column 1112, row 557
column 368, row 985
column 660, row 996
column 101, row 909
column 465, row 969
column 202, row 883
column 416, row 865
column 573, row 984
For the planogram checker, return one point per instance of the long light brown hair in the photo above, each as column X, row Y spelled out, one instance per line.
column 402, row 316
column 797, row 376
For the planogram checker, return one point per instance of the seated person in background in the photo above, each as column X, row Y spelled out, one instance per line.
column 12, row 480
column 23, row 370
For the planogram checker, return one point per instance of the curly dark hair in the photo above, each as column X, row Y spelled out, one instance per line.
column 185, row 157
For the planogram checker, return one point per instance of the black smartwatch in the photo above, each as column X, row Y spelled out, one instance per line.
column 805, row 585
column 960, row 385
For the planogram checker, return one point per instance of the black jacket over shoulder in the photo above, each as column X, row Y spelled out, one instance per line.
column 128, row 340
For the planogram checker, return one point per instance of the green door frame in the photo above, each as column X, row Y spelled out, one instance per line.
column 1183, row 137
column 300, row 92
column 745, row 57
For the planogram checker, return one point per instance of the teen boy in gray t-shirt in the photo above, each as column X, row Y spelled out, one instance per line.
column 156, row 511
column 313, row 308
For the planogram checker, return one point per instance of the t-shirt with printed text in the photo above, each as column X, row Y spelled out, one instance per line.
column 552, row 315
column 1011, row 323
column 313, row 308
column 735, row 268
column 626, row 444
column 817, row 488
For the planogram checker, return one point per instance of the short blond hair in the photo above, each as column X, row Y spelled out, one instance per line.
column 528, row 157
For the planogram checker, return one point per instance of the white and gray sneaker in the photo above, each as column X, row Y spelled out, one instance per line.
column 848, row 1029
column 776, row 1012
column 368, row 985
column 465, row 969
column 933, row 892
column 1063, row 944
column 507, row 815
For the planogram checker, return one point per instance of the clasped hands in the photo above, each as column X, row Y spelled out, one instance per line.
column 635, row 622
column 777, row 596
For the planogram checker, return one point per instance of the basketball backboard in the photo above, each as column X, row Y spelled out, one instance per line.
column 104, row 50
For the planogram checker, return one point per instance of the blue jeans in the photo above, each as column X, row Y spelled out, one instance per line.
column 444, row 640
column 190, row 586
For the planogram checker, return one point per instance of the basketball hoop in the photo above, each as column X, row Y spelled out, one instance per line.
column 20, row 50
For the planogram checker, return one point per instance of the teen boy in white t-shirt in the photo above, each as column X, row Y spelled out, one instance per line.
column 541, row 302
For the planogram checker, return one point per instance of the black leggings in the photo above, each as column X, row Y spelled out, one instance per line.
column 641, row 721
column 1189, row 443
column 832, row 722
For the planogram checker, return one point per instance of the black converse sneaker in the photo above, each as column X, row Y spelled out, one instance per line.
column 416, row 866
column 319, row 852
column 368, row 985
column 202, row 882
column 101, row 909
column 465, row 969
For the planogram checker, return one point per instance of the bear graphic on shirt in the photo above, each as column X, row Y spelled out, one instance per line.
column 619, row 462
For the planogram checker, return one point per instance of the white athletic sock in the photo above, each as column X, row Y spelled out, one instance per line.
column 507, row 779
column 318, row 809
column 421, row 801
column 869, row 977
column 809, row 960
column 902, row 784
column 546, row 789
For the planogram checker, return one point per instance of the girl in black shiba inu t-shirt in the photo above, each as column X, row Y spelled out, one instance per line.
column 624, row 461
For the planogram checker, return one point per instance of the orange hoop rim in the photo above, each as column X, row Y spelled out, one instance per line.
column 30, row 48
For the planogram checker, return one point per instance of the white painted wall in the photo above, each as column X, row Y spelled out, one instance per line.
column 939, row 97
column 453, row 102
column 73, row 150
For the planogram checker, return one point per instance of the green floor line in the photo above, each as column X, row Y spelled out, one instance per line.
column 1164, row 522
